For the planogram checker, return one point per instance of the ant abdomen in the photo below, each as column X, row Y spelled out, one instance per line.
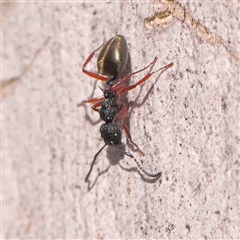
column 113, row 56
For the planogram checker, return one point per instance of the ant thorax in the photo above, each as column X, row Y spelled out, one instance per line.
column 109, row 109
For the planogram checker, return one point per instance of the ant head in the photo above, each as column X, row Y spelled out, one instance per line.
column 111, row 133
column 108, row 93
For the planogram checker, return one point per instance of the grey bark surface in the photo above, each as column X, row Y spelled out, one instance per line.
column 186, row 121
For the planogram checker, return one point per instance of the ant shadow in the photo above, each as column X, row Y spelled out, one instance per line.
column 114, row 158
column 91, row 186
column 145, row 179
column 88, row 117
column 133, row 104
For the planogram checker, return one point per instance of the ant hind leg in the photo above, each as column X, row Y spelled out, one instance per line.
column 130, row 138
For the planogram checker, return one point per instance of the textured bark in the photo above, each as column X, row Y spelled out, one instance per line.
column 186, row 120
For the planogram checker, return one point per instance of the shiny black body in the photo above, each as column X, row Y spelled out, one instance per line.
column 111, row 130
column 113, row 57
column 111, row 133
column 109, row 109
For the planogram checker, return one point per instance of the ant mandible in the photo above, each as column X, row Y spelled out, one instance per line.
column 111, row 61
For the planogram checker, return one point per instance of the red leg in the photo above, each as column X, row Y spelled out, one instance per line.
column 123, row 113
column 96, row 106
column 122, row 117
column 92, row 100
column 120, row 91
column 91, row 74
column 119, row 85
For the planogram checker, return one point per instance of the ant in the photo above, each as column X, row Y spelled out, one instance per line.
column 111, row 61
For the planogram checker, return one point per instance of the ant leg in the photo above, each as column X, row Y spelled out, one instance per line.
column 120, row 91
column 119, row 85
column 153, row 175
column 96, row 106
column 92, row 100
column 91, row 74
column 93, row 162
column 130, row 138
column 122, row 117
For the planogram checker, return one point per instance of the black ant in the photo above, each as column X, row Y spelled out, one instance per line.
column 111, row 61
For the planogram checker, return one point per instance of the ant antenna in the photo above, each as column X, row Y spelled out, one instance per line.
column 101, row 88
column 93, row 162
column 163, row 68
column 153, row 175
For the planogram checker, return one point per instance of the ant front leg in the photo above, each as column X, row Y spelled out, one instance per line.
column 91, row 74
column 96, row 106
column 97, row 103
column 92, row 100
column 125, row 128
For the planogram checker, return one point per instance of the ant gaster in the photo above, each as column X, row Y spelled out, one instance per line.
column 111, row 61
